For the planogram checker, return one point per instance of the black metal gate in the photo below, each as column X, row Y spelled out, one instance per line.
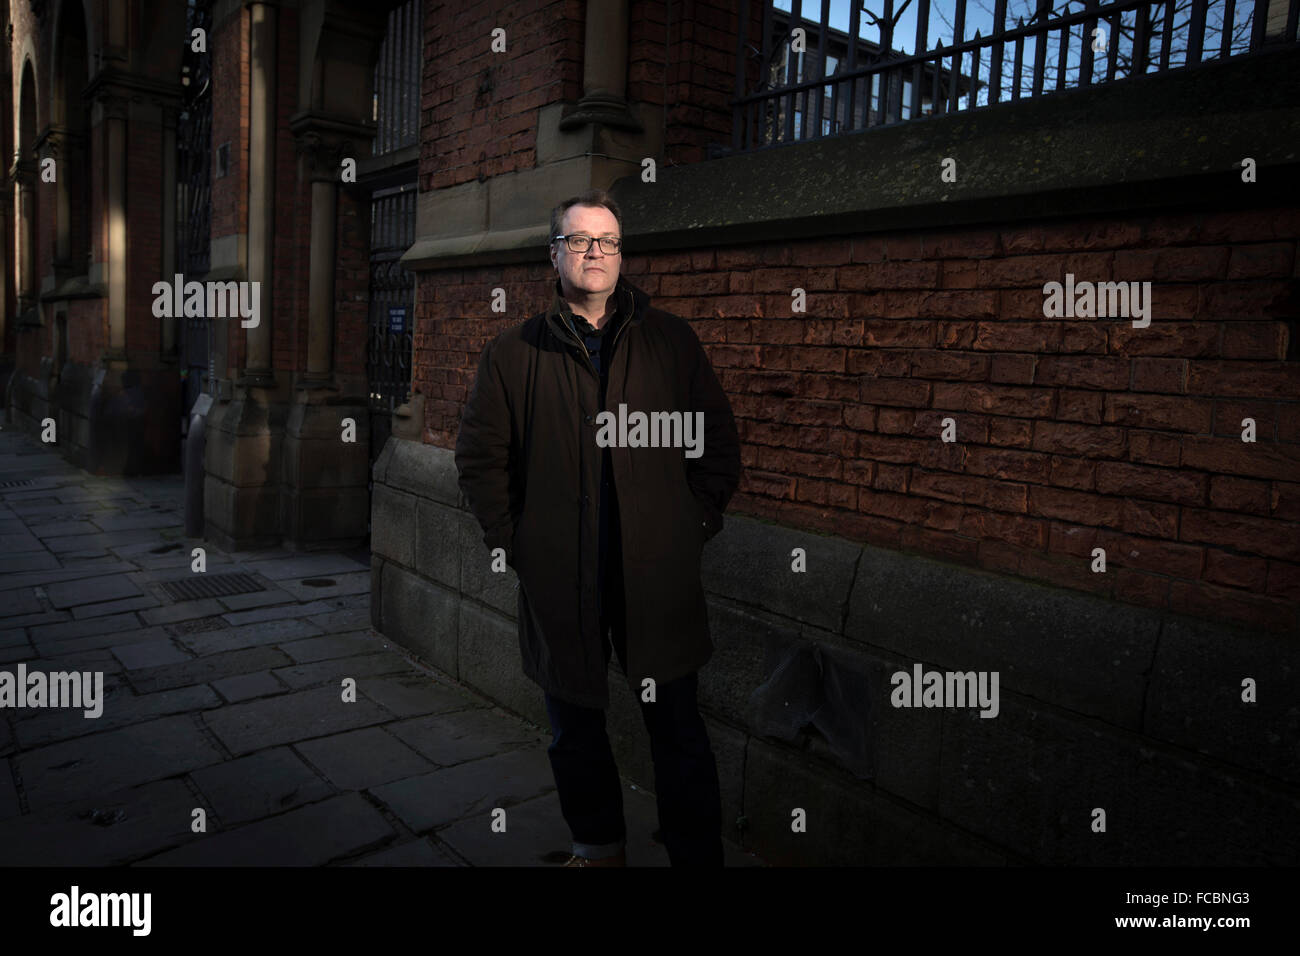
column 194, row 202
column 392, row 220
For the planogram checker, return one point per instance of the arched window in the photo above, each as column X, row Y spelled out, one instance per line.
column 25, row 169
column 69, row 141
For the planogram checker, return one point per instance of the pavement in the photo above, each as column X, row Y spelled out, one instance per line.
column 228, row 734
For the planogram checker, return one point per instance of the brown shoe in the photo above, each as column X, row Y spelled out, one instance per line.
column 618, row 859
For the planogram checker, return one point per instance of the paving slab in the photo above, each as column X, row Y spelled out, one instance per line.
column 291, row 717
column 64, row 630
column 470, row 790
column 129, row 756
column 146, row 654
column 140, row 521
column 331, row 646
column 305, row 566
column 250, row 635
column 121, row 709
column 27, row 562
column 332, row 672
column 454, row 738
column 21, row 542
column 96, row 641
column 248, row 686
column 260, row 785
column 83, row 611
column 264, row 598
column 22, row 602
column 110, row 829
column 57, row 529
column 312, row 588
column 414, row 853
column 94, row 590
column 273, row 613
column 416, row 694
column 308, row 836
column 184, row 611
column 350, row 619
column 361, row 759
column 10, row 806
column 206, row 670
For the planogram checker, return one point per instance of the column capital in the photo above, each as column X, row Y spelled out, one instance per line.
column 323, row 142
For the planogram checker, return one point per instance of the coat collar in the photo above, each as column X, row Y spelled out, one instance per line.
column 632, row 305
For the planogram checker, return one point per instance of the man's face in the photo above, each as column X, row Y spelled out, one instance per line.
column 592, row 272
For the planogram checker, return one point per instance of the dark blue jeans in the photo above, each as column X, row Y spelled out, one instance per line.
column 686, row 774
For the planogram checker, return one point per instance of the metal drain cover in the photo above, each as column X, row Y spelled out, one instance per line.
column 22, row 483
column 211, row 585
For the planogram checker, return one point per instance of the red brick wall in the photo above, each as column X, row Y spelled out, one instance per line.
column 1071, row 434
column 683, row 55
column 466, row 134
column 231, row 54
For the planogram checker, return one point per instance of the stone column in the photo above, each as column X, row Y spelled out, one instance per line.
column 261, row 189
column 115, row 197
column 167, row 257
column 24, row 174
column 604, row 69
column 322, row 160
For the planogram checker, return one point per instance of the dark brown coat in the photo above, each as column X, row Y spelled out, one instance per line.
column 530, row 466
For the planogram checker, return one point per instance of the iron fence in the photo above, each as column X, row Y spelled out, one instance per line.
column 845, row 71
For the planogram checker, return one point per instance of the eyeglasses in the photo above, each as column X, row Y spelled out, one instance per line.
column 608, row 244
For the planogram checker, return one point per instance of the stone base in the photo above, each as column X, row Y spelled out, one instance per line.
column 119, row 420
column 1101, row 705
column 242, row 459
column 326, row 502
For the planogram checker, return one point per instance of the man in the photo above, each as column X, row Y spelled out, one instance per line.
column 606, row 536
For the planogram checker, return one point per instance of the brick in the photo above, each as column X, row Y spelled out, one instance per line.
column 1150, row 554
column 1150, row 519
column 1091, row 441
column 889, row 275
column 1164, row 337
column 1139, row 587
column 1010, row 432
column 1235, row 457
column 1265, row 341
column 1243, row 379
column 1159, row 412
column 1242, row 607
column 1229, row 416
column 1234, row 570
column 1259, row 536
column 1079, row 406
column 1083, row 371
column 1008, row 464
column 890, row 333
column 1158, row 484
column 949, row 365
column 1263, row 260
column 1151, row 448
column 1013, row 529
column 1284, row 580
column 1160, row 375
column 1073, row 473
column 1017, row 336
column 1011, row 369
column 905, row 392
column 1239, row 494
column 1236, row 301
column 995, row 399
column 1074, row 506
column 1284, row 500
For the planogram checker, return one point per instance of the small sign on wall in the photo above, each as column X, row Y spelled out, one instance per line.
column 397, row 320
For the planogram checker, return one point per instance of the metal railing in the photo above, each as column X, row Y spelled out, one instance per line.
column 812, row 78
